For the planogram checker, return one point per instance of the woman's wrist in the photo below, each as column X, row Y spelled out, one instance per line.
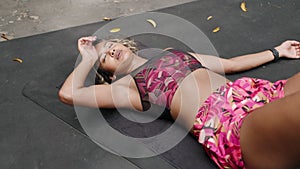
column 88, row 62
column 81, row 72
column 280, row 51
column 275, row 54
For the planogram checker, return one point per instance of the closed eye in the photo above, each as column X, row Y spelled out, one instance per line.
column 107, row 47
column 104, row 58
column 110, row 45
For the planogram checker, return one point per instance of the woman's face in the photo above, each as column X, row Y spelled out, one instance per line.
column 114, row 57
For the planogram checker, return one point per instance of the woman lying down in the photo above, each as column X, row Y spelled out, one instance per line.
column 247, row 123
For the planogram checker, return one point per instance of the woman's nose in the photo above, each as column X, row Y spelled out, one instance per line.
column 112, row 52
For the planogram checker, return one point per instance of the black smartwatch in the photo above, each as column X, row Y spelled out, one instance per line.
column 275, row 54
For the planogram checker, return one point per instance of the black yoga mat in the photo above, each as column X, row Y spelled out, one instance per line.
column 265, row 25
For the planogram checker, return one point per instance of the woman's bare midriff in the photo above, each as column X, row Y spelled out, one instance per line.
column 192, row 92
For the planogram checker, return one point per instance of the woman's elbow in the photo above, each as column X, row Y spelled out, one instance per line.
column 230, row 70
column 65, row 97
column 231, row 67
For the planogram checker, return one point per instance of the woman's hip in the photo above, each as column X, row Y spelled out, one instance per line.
column 219, row 119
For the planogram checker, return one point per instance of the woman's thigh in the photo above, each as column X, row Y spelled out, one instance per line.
column 292, row 85
column 269, row 135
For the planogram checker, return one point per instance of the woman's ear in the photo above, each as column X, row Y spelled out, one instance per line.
column 113, row 77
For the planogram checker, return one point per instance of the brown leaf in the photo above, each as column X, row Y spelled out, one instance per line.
column 4, row 36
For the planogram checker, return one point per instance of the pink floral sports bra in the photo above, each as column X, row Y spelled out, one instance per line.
column 158, row 79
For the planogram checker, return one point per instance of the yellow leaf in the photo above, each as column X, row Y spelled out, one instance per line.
column 209, row 18
column 106, row 19
column 217, row 29
column 153, row 23
column 243, row 6
column 114, row 30
column 18, row 60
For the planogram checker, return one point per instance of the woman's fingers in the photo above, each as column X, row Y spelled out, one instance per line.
column 298, row 51
column 295, row 42
column 90, row 38
column 86, row 43
column 290, row 49
column 87, row 40
column 296, row 45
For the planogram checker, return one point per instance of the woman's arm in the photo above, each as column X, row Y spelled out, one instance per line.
column 288, row 49
column 74, row 92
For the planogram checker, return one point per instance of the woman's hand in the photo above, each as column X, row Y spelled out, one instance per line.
column 87, row 50
column 289, row 49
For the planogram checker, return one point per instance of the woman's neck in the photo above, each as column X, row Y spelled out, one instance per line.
column 136, row 62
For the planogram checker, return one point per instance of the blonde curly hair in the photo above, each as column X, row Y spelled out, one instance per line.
column 129, row 43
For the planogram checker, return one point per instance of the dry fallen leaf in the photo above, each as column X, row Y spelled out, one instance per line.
column 209, row 18
column 217, row 29
column 106, row 19
column 114, row 30
column 243, row 6
column 3, row 35
column 18, row 60
column 153, row 23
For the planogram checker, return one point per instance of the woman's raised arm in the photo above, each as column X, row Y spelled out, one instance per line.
column 74, row 92
column 288, row 49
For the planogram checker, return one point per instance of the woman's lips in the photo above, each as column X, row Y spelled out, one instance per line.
column 118, row 55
